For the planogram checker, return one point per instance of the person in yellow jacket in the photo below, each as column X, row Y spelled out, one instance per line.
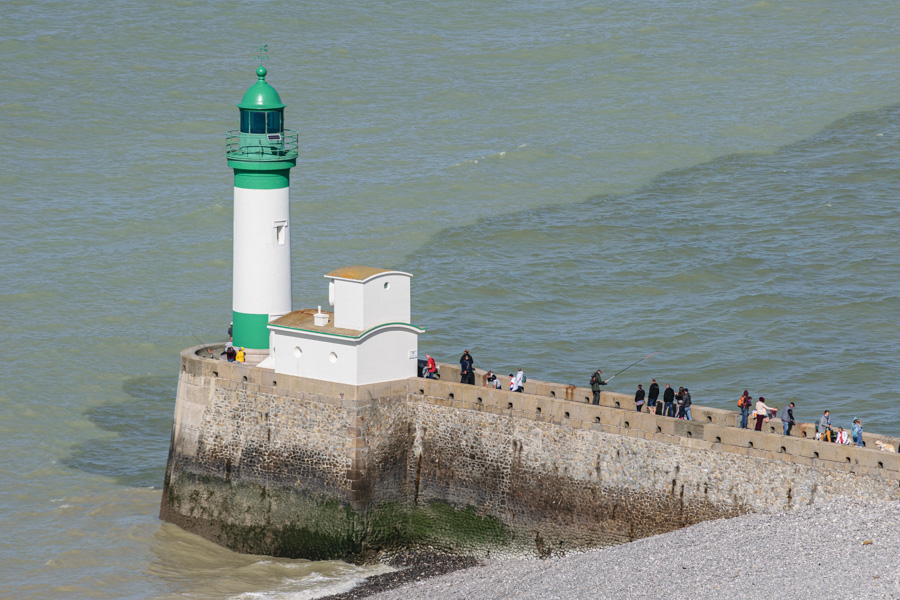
column 239, row 357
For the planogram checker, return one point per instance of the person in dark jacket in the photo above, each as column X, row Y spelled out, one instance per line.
column 668, row 401
column 788, row 419
column 639, row 398
column 652, row 395
column 679, row 403
column 230, row 353
column 596, row 382
column 686, row 405
column 466, row 368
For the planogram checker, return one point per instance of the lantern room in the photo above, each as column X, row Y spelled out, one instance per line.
column 261, row 135
column 262, row 111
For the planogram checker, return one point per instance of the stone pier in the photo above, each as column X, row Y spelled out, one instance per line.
column 302, row 468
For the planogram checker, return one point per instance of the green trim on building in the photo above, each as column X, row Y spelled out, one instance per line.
column 351, row 337
column 250, row 330
column 262, row 180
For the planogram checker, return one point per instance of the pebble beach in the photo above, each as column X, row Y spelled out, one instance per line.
column 829, row 550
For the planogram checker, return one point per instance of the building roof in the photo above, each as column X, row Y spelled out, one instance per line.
column 361, row 273
column 303, row 320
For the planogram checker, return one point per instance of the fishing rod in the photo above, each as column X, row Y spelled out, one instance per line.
column 631, row 365
column 204, row 345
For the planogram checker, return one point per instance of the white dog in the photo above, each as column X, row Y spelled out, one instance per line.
column 884, row 447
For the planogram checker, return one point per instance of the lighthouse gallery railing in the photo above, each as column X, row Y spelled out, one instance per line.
column 263, row 147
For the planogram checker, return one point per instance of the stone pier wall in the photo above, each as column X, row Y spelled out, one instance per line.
column 304, row 468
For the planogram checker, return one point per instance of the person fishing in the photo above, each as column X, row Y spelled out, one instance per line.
column 597, row 378
column 596, row 382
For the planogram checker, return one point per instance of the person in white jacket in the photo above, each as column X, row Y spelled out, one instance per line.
column 520, row 381
column 842, row 437
column 762, row 412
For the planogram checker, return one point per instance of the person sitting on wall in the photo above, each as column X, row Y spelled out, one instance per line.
column 229, row 352
column 842, row 437
column 430, row 367
column 240, row 356
column 491, row 381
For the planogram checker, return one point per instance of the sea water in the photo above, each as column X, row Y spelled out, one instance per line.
column 573, row 185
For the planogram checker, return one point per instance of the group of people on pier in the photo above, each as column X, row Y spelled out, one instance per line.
column 824, row 431
column 467, row 374
column 234, row 353
column 675, row 404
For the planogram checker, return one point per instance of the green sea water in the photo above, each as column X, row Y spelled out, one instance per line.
column 572, row 184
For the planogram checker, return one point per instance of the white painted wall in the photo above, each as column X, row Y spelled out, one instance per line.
column 385, row 356
column 382, row 356
column 362, row 305
column 315, row 361
column 348, row 304
column 262, row 266
column 386, row 304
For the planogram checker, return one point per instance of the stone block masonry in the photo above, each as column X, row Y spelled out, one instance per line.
column 308, row 469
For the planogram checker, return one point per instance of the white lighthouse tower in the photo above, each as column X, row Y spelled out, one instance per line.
column 262, row 153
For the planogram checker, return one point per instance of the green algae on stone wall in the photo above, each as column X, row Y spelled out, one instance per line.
column 437, row 525
column 252, row 519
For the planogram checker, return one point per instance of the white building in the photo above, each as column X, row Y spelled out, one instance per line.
column 367, row 339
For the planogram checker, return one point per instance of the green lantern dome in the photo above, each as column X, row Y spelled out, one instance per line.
column 261, row 95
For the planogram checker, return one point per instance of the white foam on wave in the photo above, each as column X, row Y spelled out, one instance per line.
column 290, row 589
column 495, row 155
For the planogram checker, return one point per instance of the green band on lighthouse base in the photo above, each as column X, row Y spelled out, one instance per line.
column 262, row 180
column 250, row 331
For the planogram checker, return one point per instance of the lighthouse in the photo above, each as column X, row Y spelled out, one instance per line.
column 261, row 153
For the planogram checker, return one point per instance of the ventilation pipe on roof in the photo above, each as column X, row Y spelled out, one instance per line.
column 320, row 319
